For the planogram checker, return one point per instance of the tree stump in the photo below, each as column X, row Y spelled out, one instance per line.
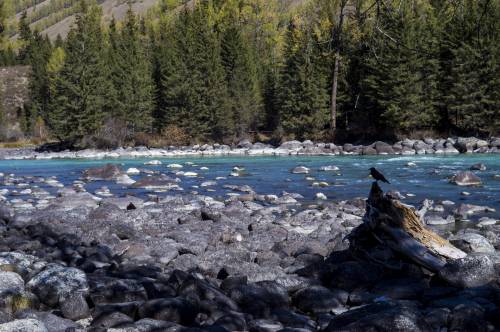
column 398, row 226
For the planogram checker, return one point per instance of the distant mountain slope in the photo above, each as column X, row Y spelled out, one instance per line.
column 55, row 17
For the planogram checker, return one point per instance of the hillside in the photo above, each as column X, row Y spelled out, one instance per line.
column 55, row 17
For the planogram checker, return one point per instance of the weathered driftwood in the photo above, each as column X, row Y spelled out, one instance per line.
column 400, row 228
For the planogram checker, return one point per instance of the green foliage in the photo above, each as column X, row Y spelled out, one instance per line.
column 131, row 74
column 244, row 97
column 220, row 70
column 304, row 96
column 80, row 100
column 192, row 88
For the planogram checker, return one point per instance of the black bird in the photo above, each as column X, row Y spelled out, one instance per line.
column 377, row 175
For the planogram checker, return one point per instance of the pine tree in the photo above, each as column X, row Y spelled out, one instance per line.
column 25, row 36
column 40, row 51
column 402, row 71
column 241, row 77
column 304, row 94
column 80, row 101
column 193, row 92
column 132, row 76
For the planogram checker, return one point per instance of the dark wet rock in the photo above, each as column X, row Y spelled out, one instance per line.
column 106, row 172
column 23, row 325
column 478, row 167
column 293, row 319
column 56, row 281
column 74, row 306
column 401, row 289
column 317, row 299
column 153, row 325
column 467, row 318
column 177, row 310
column 437, row 318
column 382, row 316
column 115, row 290
column 472, row 242
column 466, row 179
column 110, row 320
column 470, row 271
column 264, row 325
column 353, row 274
column 260, row 300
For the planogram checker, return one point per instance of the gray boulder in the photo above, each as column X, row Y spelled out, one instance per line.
column 317, row 299
column 472, row 242
column 156, row 182
column 300, row 170
column 470, row 271
column 478, row 167
column 56, row 281
column 23, row 325
column 106, row 172
column 383, row 148
column 291, row 145
column 466, row 179
column 10, row 281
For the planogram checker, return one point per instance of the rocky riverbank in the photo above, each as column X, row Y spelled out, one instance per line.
column 406, row 147
column 77, row 262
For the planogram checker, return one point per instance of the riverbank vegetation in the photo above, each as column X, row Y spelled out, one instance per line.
column 226, row 70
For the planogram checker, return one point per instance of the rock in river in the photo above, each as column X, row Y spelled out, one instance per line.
column 466, row 179
column 478, row 167
column 156, row 182
column 300, row 170
column 106, row 172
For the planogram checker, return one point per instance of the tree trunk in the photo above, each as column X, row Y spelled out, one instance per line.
column 398, row 227
column 337, row 39
column 333, row 107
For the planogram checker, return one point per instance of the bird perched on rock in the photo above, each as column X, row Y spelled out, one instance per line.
column 377, row 175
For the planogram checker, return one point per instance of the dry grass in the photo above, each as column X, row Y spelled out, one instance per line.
column 20, row 144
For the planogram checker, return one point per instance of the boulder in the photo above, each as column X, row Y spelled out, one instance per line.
column 317, row 299
column 466, row 179
column 291, row 145
column 470, row 271
column 156, row 182
column 472, row 242
column 379, row 316
column 10, row 281
column 329, row 168
column 56, row 281
column 369, row 151
column 383, row 148
column 465, row 210
column 478, row 167
column 300, row 170
column 177, row 310
column 106, row 173
column 23, row 325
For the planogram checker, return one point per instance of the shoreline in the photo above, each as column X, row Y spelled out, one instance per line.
column 449, row 146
